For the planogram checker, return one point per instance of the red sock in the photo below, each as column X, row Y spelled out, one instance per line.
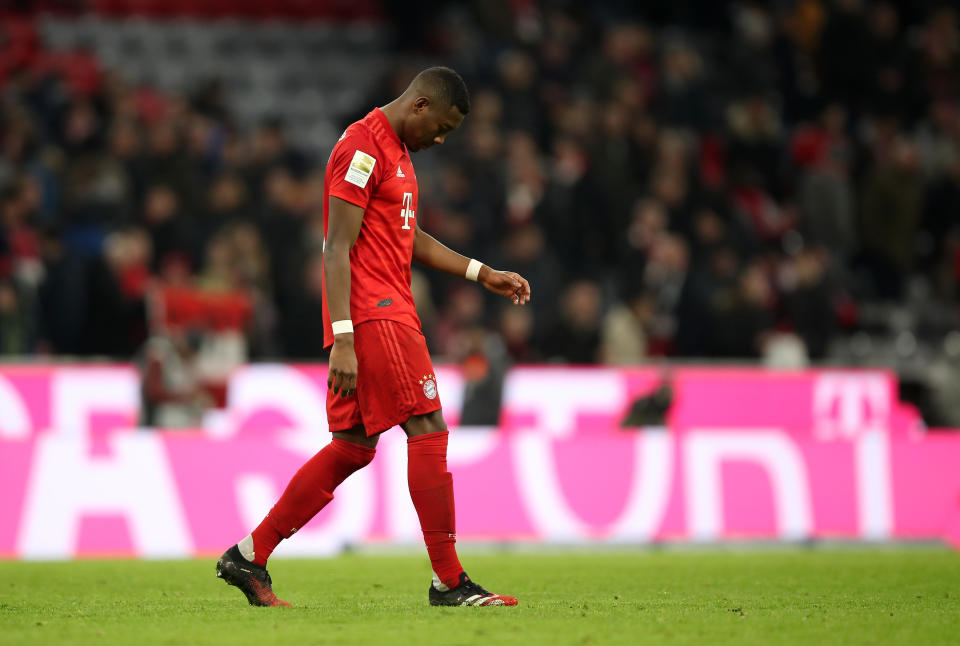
column 431, row 489
column 309, row 491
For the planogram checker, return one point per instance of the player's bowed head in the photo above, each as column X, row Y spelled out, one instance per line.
column 433, row 105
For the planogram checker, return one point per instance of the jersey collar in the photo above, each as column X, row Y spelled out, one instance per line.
column 388, row 129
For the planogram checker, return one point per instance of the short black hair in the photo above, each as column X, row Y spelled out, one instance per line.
column 446, row 86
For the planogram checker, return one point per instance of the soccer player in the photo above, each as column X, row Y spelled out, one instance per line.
column 380, row 371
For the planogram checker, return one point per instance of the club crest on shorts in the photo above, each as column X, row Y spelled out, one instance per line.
column 429, row 386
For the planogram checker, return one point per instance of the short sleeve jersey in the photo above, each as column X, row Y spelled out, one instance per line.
column 371, row 168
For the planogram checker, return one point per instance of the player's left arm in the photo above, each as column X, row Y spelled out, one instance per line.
column 428, row 251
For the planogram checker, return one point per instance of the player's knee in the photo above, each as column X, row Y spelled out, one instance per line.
column 424, row 424
column 358, row 435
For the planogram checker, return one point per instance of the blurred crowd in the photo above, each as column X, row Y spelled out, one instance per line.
column 688, row 179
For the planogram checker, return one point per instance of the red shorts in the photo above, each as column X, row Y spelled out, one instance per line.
column 395, row 379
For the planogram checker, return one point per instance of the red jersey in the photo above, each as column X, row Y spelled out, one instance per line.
column 371, row 167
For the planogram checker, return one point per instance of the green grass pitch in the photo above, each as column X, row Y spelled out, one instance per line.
column 769, row 596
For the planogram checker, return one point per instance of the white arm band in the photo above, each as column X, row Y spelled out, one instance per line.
column 342, row 327
column 473, row 270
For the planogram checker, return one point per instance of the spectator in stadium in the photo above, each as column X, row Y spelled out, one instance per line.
column 165, row 164
column 826, row 199
column 575, row 336
column 465, row 312
column 891, row 210
column 941, row 204
column 164, row 222
column 744, row 317
column 173, row 393
column 808, row 300
column 18, row 237
column 16, row 329
column 270, row 150
column 227, row 204
column 63, row 296
column 116, row 321
column 623, row 337
column 516, row 329
column 299, row 336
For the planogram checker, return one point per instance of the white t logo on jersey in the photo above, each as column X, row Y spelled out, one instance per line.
column 406, row 212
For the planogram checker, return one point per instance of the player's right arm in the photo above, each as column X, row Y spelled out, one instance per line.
column 343, row 227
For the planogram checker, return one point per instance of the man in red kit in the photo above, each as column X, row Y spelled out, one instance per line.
column 380, row 372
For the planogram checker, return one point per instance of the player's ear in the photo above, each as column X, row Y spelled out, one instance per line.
column 420, row 104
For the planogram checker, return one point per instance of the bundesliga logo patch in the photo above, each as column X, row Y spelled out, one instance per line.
column 361, row 167
column 429, row 386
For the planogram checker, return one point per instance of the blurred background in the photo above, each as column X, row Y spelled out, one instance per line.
column 745, row 181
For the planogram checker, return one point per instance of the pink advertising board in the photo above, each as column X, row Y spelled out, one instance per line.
column 744, row 454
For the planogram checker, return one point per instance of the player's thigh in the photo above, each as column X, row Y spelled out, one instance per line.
column 395, row 378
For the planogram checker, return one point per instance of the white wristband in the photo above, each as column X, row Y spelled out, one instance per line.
column 342, row 327
column 473, row 270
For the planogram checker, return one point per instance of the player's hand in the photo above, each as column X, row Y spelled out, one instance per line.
column 506, row 283
column 342, row 375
